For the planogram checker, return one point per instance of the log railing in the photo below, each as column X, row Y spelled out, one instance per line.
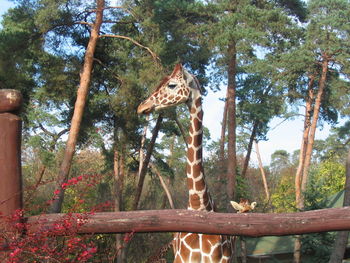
column 255, row 224
column 175, row 220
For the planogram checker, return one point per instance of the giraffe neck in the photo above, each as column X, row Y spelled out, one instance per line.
column 199, row 198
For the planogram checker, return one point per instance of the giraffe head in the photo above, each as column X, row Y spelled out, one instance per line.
column 243, row 206
column 179, row 87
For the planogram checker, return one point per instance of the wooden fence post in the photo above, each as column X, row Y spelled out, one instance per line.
column 10, row 152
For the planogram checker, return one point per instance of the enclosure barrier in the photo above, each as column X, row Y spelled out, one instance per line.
column 254, row 224
column 10, row 158
column 178, row 220
column 10, row 152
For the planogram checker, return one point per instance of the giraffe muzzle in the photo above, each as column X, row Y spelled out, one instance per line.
column 145, row 107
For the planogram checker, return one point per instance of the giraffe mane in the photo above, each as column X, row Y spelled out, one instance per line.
column 178, row 67
column 165, row 80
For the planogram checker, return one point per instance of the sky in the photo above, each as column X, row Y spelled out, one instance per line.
column 286, row 136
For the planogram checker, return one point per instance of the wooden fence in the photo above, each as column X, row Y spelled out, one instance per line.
column 255, row 224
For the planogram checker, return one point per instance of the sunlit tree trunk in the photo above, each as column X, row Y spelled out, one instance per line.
column 304, row 142
column 231, row 111
column 302, row 182
column 299, row 174
column 263, row 175
column 316, row 113
column 79, row 106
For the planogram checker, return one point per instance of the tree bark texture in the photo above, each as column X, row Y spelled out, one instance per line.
column 143, row 139
column 316, row 112
column 10, row 160
column 299, row 198
column 307, row 122
column 341, row 239
column 303, row 177
column 180, row 220
column 263, row 176
column 249, row 150
column 79, row 106
column 163, row 184
column 118, row 169
column 231, row 111
column 146, row 162
column 223, row 134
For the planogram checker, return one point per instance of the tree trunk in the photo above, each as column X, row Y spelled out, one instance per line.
column 165, row 188
column 143, row 139
column 341, row 239
column 302, row 183
column 82, row 93
column 223, row 133
column 307, row 122
column 243, row 250
column 297, row 249
column 118, row 169
column 263, row 176
column 146, row 162
column 318, row 101
column 299, row 199
column 231, row 111
column 249, row 150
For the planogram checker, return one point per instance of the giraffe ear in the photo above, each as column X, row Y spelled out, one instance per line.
column 253, row 205
column 178, row 68
column 236, row 206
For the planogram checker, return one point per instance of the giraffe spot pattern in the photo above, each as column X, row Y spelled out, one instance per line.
column 190, row 182
column 192, row 247
column 190, row 155
column 197, row 140
column 200, row 185
column 195, row 201
column 196, row 170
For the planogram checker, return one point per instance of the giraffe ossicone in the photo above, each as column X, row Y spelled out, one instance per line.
column 177, row 88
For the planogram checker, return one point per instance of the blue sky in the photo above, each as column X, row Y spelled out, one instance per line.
column 4, row 5
column 286, row 136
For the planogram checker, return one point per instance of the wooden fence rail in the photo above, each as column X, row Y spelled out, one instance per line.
column 250, row 224
column 255, row 224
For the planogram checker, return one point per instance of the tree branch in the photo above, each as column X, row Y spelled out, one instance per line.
column 154, row 55
column 166, row 189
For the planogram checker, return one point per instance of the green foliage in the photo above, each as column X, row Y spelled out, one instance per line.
column 318, row 245
column 326, row 180
column 42, row 45
column 283, row 197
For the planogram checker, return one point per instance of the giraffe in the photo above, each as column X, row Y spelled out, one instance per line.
column 177, row 88
column 243, row 206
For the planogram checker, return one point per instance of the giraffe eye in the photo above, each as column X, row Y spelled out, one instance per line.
column 172, row 86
